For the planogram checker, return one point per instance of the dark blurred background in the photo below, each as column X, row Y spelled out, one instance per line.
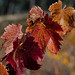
column 17, row 11
column 18, row 6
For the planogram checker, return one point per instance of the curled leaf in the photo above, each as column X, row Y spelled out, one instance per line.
column 35, row 14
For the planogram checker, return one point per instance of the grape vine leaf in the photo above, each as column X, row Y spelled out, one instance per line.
column 63, row 16
column 12, row 31
column 35, row 14
column 53, row 28
column 44, row 31
column 3, row 71
column 25, row 54
column 37, row 11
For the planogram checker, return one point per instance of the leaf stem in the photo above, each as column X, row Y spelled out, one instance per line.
column 64, row 7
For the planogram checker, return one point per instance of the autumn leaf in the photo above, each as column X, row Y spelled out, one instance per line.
column 55, row 38
column 25, row 54
column 45, row 31
column 35, row 14
column 41, row 36
column 63, row 16
column 3, row 71
column 12, row 31
column 37, row 11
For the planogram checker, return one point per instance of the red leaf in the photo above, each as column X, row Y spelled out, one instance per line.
column 41, row 36
column 12, row 31
column 24, row 55
column 44, row 31
column 53, row 28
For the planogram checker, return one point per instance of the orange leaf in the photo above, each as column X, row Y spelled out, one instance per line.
column 41, row 36
column 44, row 31
column 63, row 16
column 3, row 71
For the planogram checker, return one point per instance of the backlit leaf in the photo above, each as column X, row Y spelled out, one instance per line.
column 12, row 31
column 63, row 16
column 45, row 31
